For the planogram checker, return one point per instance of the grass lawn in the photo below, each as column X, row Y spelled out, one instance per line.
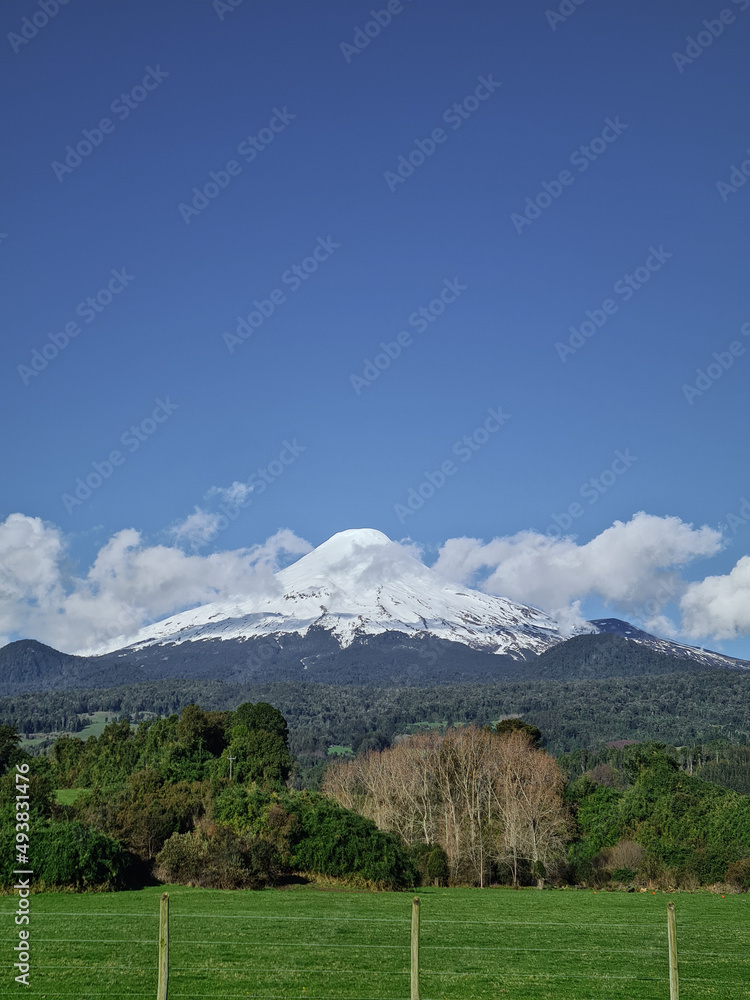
column 312, row 943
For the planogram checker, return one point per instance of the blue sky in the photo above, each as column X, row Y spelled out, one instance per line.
column 304, row 136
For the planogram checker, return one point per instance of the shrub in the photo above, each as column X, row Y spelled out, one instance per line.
column 738, row 874
column 71, row 855
column 331, row 840
column 431, row 862
column 144, row 811
column 437, row 865
column 181, row 859
column 623, row 875
column 81, row 856
column 709, row 865
column 216, row 858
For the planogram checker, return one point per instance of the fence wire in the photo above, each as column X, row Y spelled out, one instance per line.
column 80, row 965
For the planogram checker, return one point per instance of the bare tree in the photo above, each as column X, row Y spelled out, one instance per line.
column 483, row 797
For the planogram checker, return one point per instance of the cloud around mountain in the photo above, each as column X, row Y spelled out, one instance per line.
column 633, row 566
column 129, row 583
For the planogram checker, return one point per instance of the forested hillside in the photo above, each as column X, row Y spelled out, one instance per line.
column 684, row 708
column 386, row 660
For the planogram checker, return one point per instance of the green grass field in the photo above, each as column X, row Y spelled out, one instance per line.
column 98, row 722
column 311, row 943
column 96, row 728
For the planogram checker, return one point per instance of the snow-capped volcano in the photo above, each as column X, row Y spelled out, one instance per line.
column 360, row 583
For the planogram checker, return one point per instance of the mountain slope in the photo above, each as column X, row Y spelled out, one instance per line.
column 28, row 665
column 614, row 626
column 360, row 583
column 359, row 609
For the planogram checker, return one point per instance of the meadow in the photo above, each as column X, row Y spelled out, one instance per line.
column 308, row 942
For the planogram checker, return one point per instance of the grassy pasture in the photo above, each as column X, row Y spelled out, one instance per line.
column 99, row 720
column 309, row 943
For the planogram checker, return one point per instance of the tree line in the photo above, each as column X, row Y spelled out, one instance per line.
column 679, row 709
column 206, row 798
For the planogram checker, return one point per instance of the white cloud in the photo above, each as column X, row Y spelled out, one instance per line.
column 628, row 565
column 273, row 552
column 719, row 606
column 31, row 554
column 237, row 493
column 129, row 584
column 202, row 526
column 197, row 528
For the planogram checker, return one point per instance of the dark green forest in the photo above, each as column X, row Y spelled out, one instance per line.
column 685, row 708
column 647, row 819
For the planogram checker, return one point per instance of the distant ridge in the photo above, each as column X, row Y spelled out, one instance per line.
column 614, row 626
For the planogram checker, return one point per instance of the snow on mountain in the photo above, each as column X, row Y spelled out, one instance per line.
column 615, row 626
column 360, row 583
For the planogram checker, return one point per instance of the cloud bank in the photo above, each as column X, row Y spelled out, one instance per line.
column 129, row 584
column 634, row 567
column 719, row 606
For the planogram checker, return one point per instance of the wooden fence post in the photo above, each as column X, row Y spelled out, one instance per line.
column 163, row 987
column 415, row 948
column 674, row 981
